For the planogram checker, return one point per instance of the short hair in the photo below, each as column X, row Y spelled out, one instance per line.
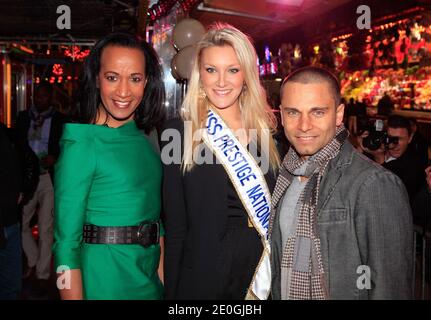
column 312, row 74
column 44, row 85
column 150, row 113
column 397, row 121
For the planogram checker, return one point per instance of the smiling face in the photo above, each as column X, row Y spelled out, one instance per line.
column 309, row 116
column 221, row 76
column 121, row 81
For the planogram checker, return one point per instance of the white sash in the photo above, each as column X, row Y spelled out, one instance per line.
column 250, row 185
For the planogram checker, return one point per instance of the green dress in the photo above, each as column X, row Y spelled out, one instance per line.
column 107, row 177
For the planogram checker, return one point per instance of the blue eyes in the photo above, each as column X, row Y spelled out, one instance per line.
column 292, row 113
column 315, row 113
column 319, row 113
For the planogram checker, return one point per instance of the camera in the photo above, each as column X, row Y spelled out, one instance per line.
column 377, row 136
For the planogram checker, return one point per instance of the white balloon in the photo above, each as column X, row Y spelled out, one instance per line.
column 174, row 68
column 185, row 59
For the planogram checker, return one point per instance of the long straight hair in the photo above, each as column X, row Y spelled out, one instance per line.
column 255, row 111
column 150, row 113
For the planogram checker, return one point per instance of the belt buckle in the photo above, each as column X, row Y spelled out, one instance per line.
column 144, row 240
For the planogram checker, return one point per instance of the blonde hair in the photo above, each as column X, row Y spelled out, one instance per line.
column 255, row 111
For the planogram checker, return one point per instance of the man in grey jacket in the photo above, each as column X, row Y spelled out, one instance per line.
column 341, row 225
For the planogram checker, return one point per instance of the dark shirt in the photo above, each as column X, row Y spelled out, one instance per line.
column 421, row 208
column 202, row 250
column 241, row 249
column 419, row 145
column 385, row 106
column 410, row 169
column 361, row 109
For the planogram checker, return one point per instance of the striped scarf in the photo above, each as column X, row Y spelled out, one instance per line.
column 38, row 118
column 302, row 272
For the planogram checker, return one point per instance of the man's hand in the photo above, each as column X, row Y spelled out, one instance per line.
column 379, row 154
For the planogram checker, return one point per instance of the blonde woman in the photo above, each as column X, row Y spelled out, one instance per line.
column 216, row 197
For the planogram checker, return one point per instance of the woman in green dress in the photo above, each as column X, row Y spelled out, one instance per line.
column 108, row 238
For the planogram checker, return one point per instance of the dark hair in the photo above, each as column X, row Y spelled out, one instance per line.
column 312, row 74
column 396, row 121
column 44, row 85
column 150, row 113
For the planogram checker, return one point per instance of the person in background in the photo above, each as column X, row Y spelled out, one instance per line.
column 108, row 235
column 351, row 116
column 19, row 174
column 10, row 239
column 361, row 113
column 385, row 106
column 378, row 155
column 30, row 168
column 405, row 163
column 215, row 241
column 40, row 127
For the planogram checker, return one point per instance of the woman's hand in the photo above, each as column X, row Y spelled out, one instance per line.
column 69, row 283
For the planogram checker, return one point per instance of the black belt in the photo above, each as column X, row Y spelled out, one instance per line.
column 146, row 234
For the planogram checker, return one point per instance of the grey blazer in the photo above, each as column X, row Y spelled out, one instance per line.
column 363, row 221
